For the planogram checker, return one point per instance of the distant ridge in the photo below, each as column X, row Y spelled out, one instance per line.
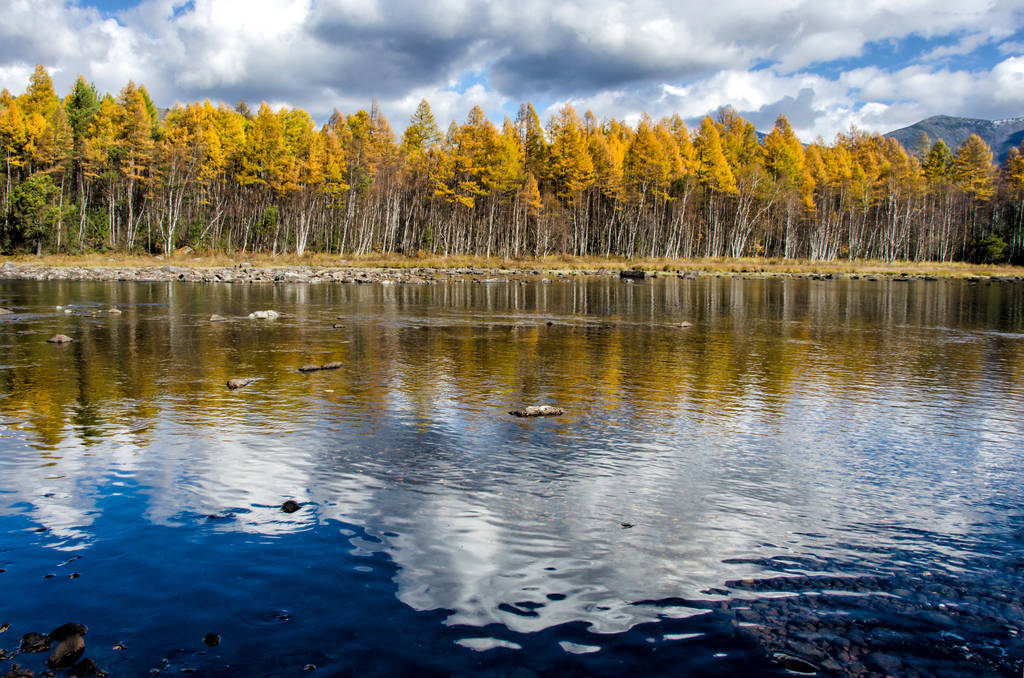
column 1000, row 135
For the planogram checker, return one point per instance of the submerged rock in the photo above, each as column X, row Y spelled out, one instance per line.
column 239, row 382
column 86, row 667
column 290, row 506
column 59, row 339
column 67, row 652
column 264, row 315
column 34, row 642
column 538, row 411
column 794, row 664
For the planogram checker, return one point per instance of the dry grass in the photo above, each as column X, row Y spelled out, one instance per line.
column 550, row 263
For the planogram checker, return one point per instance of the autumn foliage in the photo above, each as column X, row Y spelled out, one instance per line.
column 91, row 172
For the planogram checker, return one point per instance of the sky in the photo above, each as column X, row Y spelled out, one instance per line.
column 825, row 64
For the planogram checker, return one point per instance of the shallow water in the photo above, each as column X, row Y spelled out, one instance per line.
column 830, row 470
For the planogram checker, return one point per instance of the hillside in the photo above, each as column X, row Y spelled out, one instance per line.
column 1000, row 135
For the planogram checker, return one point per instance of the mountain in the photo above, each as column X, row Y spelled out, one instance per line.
column 1000, row 135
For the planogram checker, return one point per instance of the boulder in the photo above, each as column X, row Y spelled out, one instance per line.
column 5, row 311
column 215, row 318
column 114, row 311
column 537, row 411
column 34, row 642
column 264, row 315
column 633, row 274
column 211, row 639
column 18, row 672
column 239, row 382
column 310, row 368
column 86, row 667
column 59, row 339
column 67, row 652
column 290, row 506
column 65, row 631
column 331, row 365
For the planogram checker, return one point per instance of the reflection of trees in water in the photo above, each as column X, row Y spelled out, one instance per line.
column 480, row 347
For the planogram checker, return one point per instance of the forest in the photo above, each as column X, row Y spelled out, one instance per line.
column 91, row 172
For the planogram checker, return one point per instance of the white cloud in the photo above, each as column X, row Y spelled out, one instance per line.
column 614, row 57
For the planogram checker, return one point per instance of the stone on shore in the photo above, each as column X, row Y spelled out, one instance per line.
column 264, row 315
column 59, row 339
column 538, row 411
column 239, row 382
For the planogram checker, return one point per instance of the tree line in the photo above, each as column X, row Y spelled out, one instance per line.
column 102, row 173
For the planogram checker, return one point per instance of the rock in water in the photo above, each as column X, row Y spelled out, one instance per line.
column 290, row 506
column 86, row 667
column 635, row 274
column 59, row 339
column 18, row 672
column 538, row 411
column 67, row 652
column 239, row 382
column 115, row 311
column 211, row 639
column 217, row 318
column 309, row 368
column 65, row 631
column 5, row 311
column 264, row 315
column 34, row 642
column 331, row 366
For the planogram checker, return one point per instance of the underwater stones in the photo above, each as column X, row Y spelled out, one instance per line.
column 264, row 315
column 67, row 652
column 59, row 339
column 34, row 642
column 537, row 411
column 794, row 664
column 86, row 667
column 290, row 506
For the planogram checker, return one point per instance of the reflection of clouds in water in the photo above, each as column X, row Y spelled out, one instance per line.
column 61, row 486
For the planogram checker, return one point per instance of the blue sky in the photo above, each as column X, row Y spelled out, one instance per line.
column 826, row 64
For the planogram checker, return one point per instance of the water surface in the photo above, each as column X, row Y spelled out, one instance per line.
column 830, row 470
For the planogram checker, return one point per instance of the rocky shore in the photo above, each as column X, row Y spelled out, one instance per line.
column 247, row 273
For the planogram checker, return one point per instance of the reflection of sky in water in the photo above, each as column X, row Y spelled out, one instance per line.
column 791, row 419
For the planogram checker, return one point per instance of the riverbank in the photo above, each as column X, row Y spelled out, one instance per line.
column 191, row 267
